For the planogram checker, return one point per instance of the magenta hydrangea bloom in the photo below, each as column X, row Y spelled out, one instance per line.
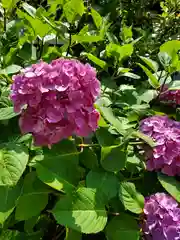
column 170, row 97
column 161, row 218
column 165, row 156
column 59, row 99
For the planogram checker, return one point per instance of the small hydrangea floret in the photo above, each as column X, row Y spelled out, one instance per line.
column 165, row 156
column 161, row 218
column 56, row 100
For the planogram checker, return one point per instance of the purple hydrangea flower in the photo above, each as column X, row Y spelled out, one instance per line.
column 165, row 156
column 170, row 97
column 59, row 99
column 162, row 218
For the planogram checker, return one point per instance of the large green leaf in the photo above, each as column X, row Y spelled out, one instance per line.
column 113, row 158
column 152, row 64
column 104, row 182
column 131, row 199
column 7, row 113
column 171, row 185
column 96, row 60
column 72, row 8
column 33, row 199
column 87, row 38
column 122, row 227
column 96, row 18
column 9, row 4
column 13, row 161
column 152, row 78
column 59, row 171
column 83, row 211
column 8, row 200
column 120, row 52
column 170, row 47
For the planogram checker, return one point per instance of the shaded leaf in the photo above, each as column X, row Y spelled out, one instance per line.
column 122, row 227
column 59, row 171
column 104, row 182
column 33, row 199
column 88, row 158
column 8, row 200
column 113, row 158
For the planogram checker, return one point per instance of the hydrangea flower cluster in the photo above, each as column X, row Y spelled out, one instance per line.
column 165, row 156
column 171, row 97
column 162, row 218
column 59, row 100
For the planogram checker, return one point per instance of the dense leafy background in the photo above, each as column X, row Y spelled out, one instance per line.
column 91, row 188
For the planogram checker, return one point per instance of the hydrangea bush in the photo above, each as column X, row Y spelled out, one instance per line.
column 90, row 122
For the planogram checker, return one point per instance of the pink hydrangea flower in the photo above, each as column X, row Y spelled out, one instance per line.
column 170, row 97
column 165, row 156
column 161, row 218
column 59, row 99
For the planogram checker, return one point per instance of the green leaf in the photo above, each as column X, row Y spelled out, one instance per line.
column 72, row 8
column 83, row 211
column 8, row 200
column 13, row 161
column 130, row 75
column 96, row 18
column 152, row 79
column 120, row 52
column 109, row 116
column 104, row 137
column 113, row 158
column 165, row 59
column 171, row 185
column 126, row 34
column 10, row 69
column 122, row 227
column 88, row 158
column 7, row 113
column 175, row 85
column 15, row 235
column 29, row 9
column 34, row 198
column 170, row 47
column 59, row 171
column 72, row 235
column 150, row 63
column 86, row 38
column 96, row 60
column 131, row 199
column 10, row 4
column 104, row 182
